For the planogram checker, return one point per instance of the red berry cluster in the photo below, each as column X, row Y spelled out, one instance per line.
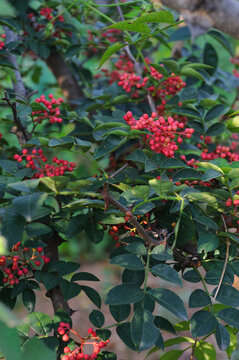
column 48, row 14
column 20, row 262
column 2, row 43
column 36, row 160
column 126, row 77
column 64, row 329
column 164, row 133
column 128, row 80
column 52, row 112
column 220, row 152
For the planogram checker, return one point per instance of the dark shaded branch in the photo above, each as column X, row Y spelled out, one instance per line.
column 65, row 78
column 109, row 200
column 18, row 84
column 201, row 15
column 55, row 294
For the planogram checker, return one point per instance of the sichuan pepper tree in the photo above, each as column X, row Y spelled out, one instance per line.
column 160, row 136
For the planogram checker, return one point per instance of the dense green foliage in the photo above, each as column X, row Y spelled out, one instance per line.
column 108, row 137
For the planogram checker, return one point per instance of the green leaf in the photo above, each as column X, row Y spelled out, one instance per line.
column 76, row 225
column 110, row 144
column 233, row 124
column 215, row 129
column 9, row 342
column 144, row 333
column 215, row 112
column 124, row 333
column 126, row 293
column 210, row 57
column 12, row 225
column 170, row 301
column 187, row 174
column 120, row 312
column 222, row 337
column 199, row 298
column 207, row 242
column 233, row 341
column 36, row 349
column 221, row 38
column 164, row 324
column 202, row 323
column 92, row 295
column 171, row 355
column 37, row 229
column 50, row 280
column 39, row 322
column 161, row 16
column 136, row 248
column 94, row 231
column 211, row 174
column 189, row 71
column 84, row 276
column 29, row 205
column 228, row 295
column 161, row 253
column 97, row 318
column 63, row 267
column 205, row 351
column 166, row 272
column 192, row 276
column 184, row 230
column 109, row 52
column 103, row 334
column 172, row 65
column 128, row 261
column 186, row 111
column 161, row 186
column 178, row 340
column 29, row 299
column 70, row 289
column 135, row 26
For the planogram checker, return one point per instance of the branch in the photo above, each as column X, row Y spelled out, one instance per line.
column 64, row 76
column 142, row 232
column 201, row 15
column 56, row 294
column 225, row 263
column 18, row 84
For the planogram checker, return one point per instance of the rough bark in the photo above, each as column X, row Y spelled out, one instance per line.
column 65, row 78
column 201, row 15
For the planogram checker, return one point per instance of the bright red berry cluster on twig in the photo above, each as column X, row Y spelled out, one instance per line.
column 165, row 134
column 20, row 262
column 52, row 112
column 36, row 160
column 64, row 330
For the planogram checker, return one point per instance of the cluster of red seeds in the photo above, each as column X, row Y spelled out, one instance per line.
column 20, row 262
column 127, row 81
column 36, row 161
column 52, row 112
column 64, row 329
column 48, row 14
column 164, row 133
column 220, row 152
column 2, row 43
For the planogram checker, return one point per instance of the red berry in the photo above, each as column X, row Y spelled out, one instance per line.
column 65, row 337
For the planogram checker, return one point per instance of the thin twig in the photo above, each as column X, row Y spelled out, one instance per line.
column 119, row 170
column 225, row 263
column 127, row 212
